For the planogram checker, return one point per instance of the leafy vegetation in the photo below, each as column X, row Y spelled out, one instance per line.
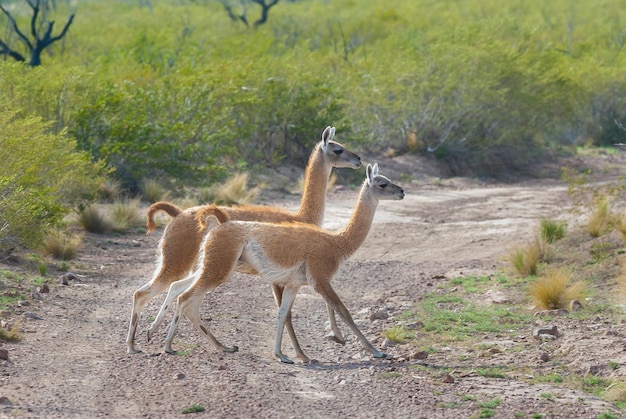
column 41, row 173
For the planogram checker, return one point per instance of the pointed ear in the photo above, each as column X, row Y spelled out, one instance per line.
column 368, row 174
column 375, row 170
column 328, row 135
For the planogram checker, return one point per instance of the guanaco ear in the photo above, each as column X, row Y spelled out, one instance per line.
column 328, row 135
column 371, row 172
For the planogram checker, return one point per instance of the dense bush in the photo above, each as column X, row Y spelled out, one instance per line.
column 41, row 176
column 176, row 92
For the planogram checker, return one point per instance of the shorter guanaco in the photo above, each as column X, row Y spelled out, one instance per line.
column 181, row 240
column 289, row 255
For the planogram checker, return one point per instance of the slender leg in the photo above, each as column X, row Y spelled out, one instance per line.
column 335, row 333
column 333, row 300
column 141, row 297
column 278, row 295
column 176, row 288
column 288, row 297
column 190, row 308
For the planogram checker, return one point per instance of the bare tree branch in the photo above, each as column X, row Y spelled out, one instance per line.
column 42, row 35
column 265, row 10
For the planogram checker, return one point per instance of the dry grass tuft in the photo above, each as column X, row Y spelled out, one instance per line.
column 556, row 291
column 620, row 225
column 12, row 334
column 94, row 220
column 62, row 245
column 110, row 190
column 153, row 191
column 599, row 217
column 526, row 259
column 616, row 392
column 235, row 191
column 125, row 213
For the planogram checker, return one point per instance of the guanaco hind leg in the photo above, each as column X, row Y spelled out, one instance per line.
column 288, row 296
column 278, row 296
column 176, row 288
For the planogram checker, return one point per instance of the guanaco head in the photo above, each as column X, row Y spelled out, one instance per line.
column 337, row 154
column 381, row 186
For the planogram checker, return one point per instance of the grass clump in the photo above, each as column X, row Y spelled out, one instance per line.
column 556, row 291
column 599, row 217
column 94, row 220
column 235, row 191
column 194, row 408
column 125, row 214
column 62, row 245
column 552, row 231
column 12, row 334
column 398, row 334
column 526, row 259
column 153, row 191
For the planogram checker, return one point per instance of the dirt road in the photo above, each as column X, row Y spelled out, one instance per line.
column 73, row 361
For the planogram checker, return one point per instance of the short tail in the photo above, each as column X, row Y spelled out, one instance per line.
column 208, row 211
column 170, row 208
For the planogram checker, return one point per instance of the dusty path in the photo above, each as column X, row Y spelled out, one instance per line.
column 73, row 362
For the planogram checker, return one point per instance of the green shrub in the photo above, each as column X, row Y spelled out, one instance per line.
column 41, row 177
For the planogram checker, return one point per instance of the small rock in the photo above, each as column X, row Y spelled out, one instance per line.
column 379, row 315
column 180, row 376
column 418, row 355
column 548, row 330
column 44, row 289
column 494, row 350
column 36, row 295
column 31, row 315
column 4, row 354
column 66, row 277
column 388, row 343
column 597, row 369
column 414, row 325
column 576, row 305
column 22, row 303
column 5, row 401
column 401, row 359
column 544, row 357
column 447, row 378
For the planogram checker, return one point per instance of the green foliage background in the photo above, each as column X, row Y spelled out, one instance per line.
column 173, row 90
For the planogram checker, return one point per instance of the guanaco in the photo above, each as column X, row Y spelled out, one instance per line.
column 179, row 246
column 287, row 255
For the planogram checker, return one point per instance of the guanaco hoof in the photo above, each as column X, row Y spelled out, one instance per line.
column 286, row 360
column 134, row 351
column 334, row 338
column 235, row 348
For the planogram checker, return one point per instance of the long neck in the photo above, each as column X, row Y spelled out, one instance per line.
column 315, row 184
column 354, row 234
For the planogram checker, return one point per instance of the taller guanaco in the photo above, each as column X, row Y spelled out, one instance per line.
column 181, row 240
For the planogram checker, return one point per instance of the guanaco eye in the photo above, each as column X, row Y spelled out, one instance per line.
column 383, row 185
column 338, row 151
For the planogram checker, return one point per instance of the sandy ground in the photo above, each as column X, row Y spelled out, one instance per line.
column 73, row 361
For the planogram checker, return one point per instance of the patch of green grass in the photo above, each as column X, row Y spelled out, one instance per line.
column 547, row 396
column 42, row 267
column 595, row 385
column 608, row 415
column 451, row 405
column 453, row 318
column 40, row 281
column 389, row 374
column 554, row 378
column 471, row 284
column 490, row 372
column 125, row 213
column 194, row 408
column 398, row 334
